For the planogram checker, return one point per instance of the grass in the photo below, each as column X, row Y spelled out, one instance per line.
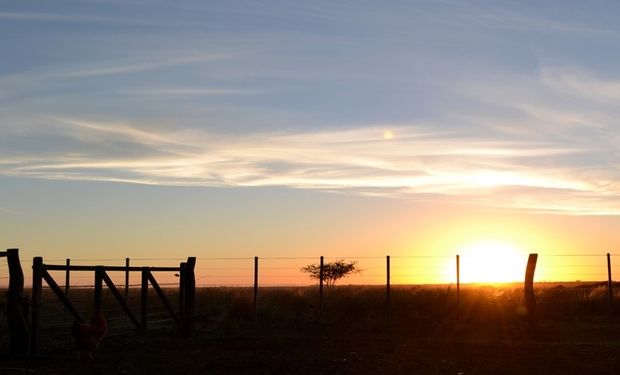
column 288, row 333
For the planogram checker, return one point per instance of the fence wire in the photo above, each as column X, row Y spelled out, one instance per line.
column 284, row 271
column 287, row 270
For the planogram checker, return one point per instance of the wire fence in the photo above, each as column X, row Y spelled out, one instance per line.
column 286, row 271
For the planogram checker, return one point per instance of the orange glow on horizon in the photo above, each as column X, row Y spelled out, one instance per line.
column 492, row 261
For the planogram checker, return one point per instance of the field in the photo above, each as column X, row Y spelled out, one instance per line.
column 425, row 334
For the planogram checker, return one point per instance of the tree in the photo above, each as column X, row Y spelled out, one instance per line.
column 332, row 272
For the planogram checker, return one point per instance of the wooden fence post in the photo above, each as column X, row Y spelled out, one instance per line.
column 37, row 285
column 190, row 295
column 16, row 305
column 530, row 299
column 387, row 289
column 182, row 271
column 67, row 277
column 255, row 288
column 321, row 274
column 126, row 279
column 98, row 287
column 144, row 298
column 610, row 293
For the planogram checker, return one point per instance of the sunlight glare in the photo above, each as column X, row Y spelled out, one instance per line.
column 492, row 262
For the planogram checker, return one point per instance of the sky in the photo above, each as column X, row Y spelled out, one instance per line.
column 156, row 129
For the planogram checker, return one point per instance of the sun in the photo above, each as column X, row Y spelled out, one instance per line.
column 492, row 261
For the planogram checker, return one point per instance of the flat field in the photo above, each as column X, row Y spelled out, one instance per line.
column 425, row 334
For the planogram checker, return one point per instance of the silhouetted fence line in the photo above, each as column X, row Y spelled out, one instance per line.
column 262, row 273
column 220, row 271
column 184, row 319
column 265, row 272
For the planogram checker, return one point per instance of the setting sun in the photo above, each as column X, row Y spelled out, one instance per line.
column 492, row 262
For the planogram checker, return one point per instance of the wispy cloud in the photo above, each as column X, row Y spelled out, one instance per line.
column 417, row 161
column 121, row 68
column 531, row 19
column 582, row 84
column 69, row 18
column 187, row 91
column 474, row 119
column 108, row 68
column 54, row 78
column 114, row 130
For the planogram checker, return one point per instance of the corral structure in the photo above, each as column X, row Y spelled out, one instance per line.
column 24, row 316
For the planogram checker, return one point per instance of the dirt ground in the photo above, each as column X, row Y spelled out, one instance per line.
column 329, row 350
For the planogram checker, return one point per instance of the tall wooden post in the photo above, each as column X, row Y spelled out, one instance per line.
column 67, row 277
column 387, row 287
column 16, row 305
column 458, row 285
column 610, row 292
column 255, row 288
column 144, row 298
column 190, row 295
column 321, row 274
column 126, row 279
column 37, row 286
column 530, row 300
column 98, row 287
column 182, row 272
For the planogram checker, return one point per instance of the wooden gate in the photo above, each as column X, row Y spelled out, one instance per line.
column 187, row 286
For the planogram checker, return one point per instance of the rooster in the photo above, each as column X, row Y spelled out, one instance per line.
column 88, row 335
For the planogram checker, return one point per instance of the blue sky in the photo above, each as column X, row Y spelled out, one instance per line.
column 494, row 105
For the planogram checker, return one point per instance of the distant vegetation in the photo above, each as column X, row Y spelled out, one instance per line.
column 332, row 272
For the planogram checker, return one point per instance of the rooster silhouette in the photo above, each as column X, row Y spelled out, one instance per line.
column 87, row 336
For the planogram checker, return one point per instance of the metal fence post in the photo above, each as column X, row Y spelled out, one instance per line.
column 255, row 288
column 610, row 293
column 458, row 285
column 321, row 274
column 387, row 287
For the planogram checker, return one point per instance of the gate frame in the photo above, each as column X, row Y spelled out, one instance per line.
column 187, row 288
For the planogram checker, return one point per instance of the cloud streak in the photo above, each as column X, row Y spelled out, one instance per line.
column 18, row 83
column 417, row 161
column 187, row 91
column 68, row 18
column 301, row 97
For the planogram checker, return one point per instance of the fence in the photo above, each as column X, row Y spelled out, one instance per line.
column 380, row 271
column 17, row 308
column 285, row 271
column 256, row 273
